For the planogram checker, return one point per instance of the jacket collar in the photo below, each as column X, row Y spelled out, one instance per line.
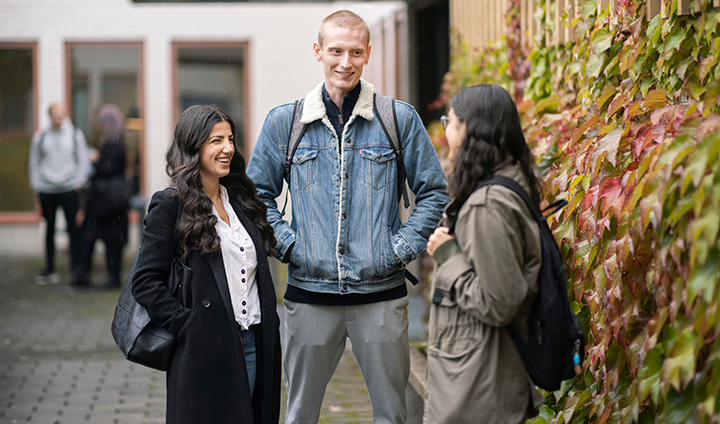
column 314, row 107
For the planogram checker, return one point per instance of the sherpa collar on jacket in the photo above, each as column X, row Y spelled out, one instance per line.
column 314, row 107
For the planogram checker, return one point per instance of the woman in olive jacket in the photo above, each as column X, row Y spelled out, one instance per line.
column 486, row 272
column 226, row 368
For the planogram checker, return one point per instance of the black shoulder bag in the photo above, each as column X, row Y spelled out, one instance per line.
column 138, row 338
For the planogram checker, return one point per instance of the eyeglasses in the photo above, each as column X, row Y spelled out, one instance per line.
column 444, row 120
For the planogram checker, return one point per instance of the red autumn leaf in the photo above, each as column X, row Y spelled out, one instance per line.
column 636, row 129
column 667, row 114
column 612, row 197
column 709, row 125
column 651, row 136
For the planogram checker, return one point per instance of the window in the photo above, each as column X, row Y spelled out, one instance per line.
column 108, row 73
column 17, row 124
column 212, row 73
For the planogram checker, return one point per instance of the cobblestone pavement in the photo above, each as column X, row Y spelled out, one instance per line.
column 59, row 364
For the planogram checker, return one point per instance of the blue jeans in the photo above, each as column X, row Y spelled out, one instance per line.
column 247, row 337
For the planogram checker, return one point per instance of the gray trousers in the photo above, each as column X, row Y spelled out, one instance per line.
column 314, row 343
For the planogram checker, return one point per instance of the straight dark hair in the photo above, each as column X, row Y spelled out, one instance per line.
column 195, row 229
column 492, row 134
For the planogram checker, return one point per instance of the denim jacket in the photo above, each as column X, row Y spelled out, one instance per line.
column 346, row 234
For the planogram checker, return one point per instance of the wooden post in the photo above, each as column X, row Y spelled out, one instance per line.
column 684, row 7
column 663, row 9
column 490, row 20
column 523, row 21
column 652, row 8
column 549, row 40
column 503, row 18
column 558, row 23
column 602, row 5
column 572, row 6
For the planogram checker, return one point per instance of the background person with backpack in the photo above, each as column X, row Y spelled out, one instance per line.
column 58, row 169
column 487, row 269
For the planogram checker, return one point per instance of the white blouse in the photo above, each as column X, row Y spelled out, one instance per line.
column 240, row 260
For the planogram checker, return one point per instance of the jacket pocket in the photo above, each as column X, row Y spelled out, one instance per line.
column 304, row 167
column 378, row 165
column 453, row 380
column 180, row 280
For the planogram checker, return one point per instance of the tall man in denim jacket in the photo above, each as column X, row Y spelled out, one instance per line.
column 346, row 247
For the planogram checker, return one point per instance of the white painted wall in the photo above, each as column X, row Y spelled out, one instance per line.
column 280, row 36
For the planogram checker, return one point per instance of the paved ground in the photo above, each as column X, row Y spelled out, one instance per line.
column 59, row 364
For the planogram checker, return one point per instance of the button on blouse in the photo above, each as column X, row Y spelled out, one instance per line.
column 240, row 260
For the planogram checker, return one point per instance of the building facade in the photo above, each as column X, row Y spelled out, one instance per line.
column 155, row 59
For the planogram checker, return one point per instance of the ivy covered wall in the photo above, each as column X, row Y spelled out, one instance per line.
column 624, row 124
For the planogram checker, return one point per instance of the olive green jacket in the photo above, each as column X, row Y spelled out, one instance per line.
column 487, row 277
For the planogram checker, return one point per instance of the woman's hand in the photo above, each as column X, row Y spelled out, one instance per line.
column 437, row 238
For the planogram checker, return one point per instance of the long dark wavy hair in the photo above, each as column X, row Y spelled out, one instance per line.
column 492, row 134
column 195, row 230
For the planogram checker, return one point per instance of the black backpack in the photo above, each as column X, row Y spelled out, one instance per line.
column 556, row 342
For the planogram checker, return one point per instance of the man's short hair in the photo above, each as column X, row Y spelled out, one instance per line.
column 343, row 19
column 52, row 106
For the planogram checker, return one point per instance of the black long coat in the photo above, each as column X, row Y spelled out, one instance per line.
column 112, row 227
column 207, row 381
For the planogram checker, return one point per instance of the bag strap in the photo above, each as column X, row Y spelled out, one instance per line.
column 76, row 148
column 384, row 108
column 297, row 130
column 520, row 191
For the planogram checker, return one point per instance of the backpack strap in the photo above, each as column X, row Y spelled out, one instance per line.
column 297, row 130
column 384, row 108
column 40, row 143
column 76, row 144
column 520, row 191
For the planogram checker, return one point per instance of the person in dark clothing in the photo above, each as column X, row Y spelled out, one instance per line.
column 226, row 368
column 106, row 215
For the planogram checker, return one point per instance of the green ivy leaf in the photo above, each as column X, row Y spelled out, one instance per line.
column 548, row 105
column 674, row 39
column 679, row 369
column 593, row 66
column 602, row 40
column 650, row 374
column 682, row 207
column 608, row 91
column 695, row 89
column 589, row 8
column 704, row 279
column 679, row 408
column 682, row 67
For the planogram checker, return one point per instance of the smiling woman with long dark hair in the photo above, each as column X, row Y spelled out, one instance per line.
column 227, row 364
column 486, row 272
